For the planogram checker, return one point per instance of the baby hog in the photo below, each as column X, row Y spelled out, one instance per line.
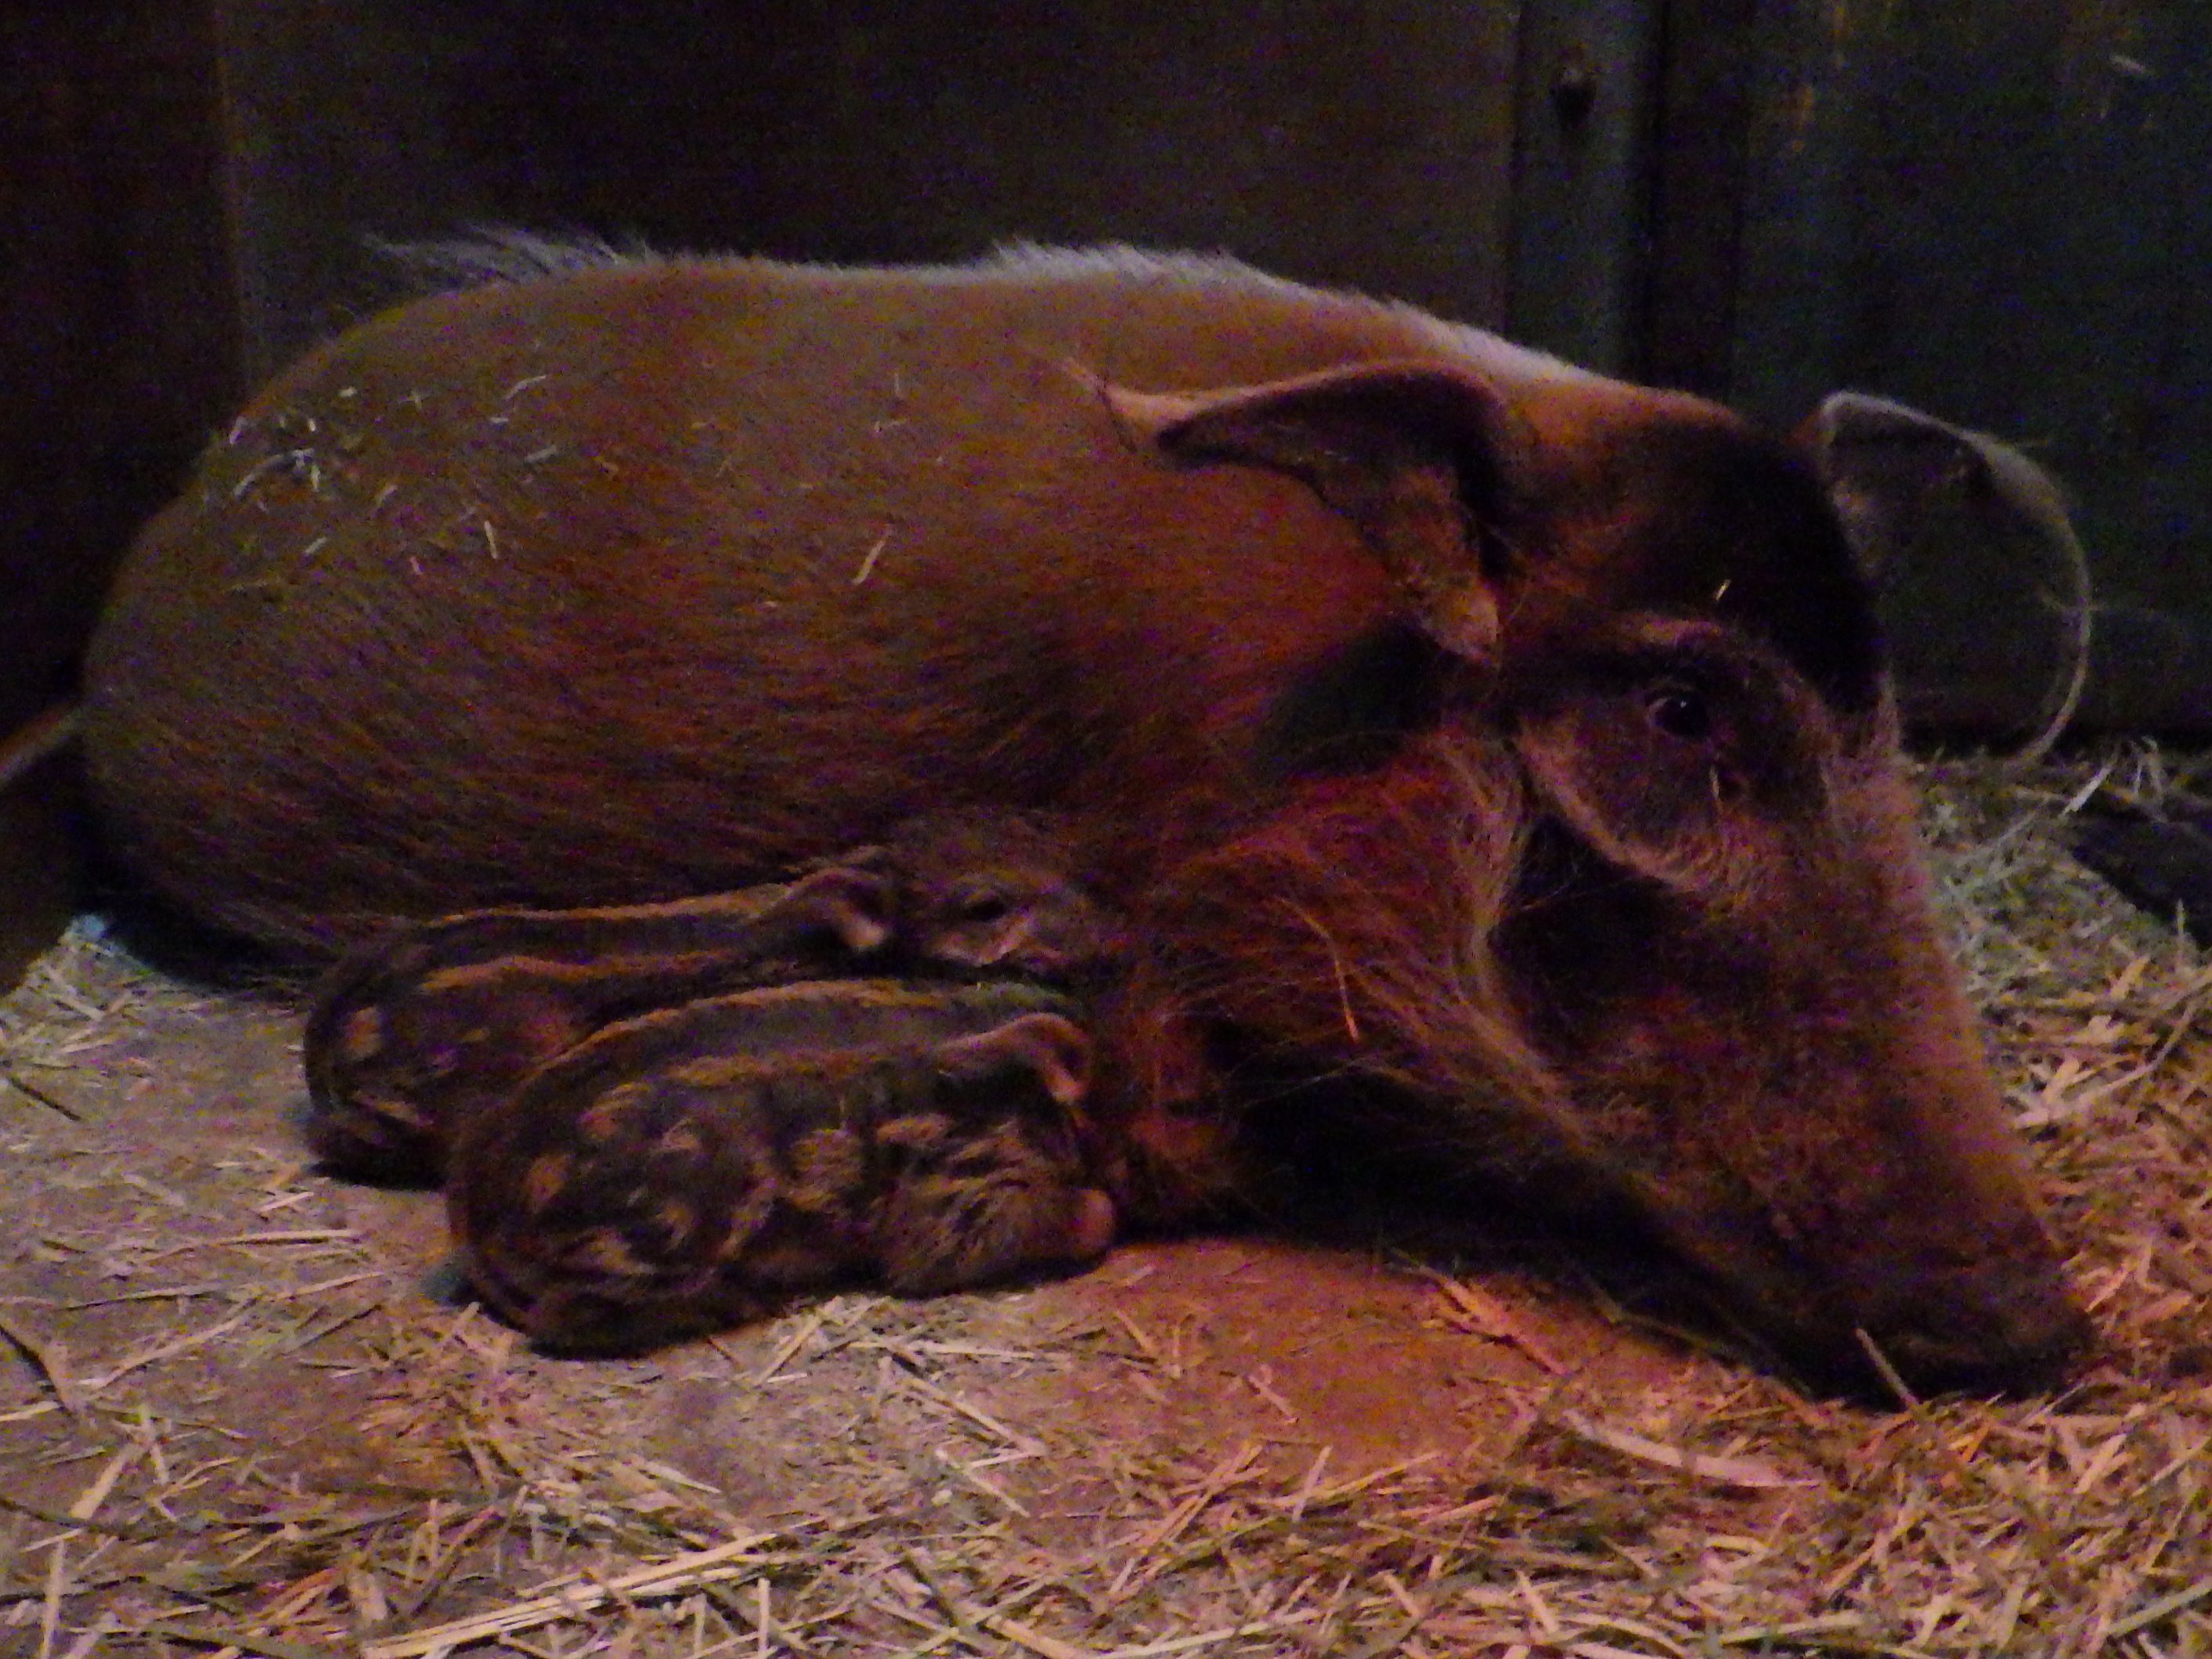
column 694, row 1167
column 427, row 1020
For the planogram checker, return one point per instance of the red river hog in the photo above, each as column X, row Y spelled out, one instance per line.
column 1509, row 745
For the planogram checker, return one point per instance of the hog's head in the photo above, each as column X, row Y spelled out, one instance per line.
column 1634, row 909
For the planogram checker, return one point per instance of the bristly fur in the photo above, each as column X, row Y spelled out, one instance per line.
column 1357, row 939
column 493, row 253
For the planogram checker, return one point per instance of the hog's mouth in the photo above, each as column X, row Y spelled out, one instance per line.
column 2002, row 1319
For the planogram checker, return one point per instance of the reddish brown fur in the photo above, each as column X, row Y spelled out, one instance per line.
column 1344, row 634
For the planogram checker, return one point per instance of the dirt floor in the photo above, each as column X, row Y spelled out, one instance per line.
column 243, row 1410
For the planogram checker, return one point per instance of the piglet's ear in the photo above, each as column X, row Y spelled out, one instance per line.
column 1411, row 453
column 858, row 904
column 1052, row 1048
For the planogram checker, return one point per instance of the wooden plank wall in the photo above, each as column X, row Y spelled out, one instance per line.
column 119, row 329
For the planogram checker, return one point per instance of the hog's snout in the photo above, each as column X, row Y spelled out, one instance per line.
column 1972, row 1296
column 2003, row 1319
column 1995, row 1315
column 2008, row 1322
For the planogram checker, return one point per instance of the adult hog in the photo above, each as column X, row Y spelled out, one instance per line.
column 1509, row 742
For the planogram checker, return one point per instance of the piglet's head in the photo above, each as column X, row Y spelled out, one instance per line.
column 1636, row 898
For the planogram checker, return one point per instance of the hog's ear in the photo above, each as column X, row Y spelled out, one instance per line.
column 1411, row 453
column 1907, row 485
column 1887, row 467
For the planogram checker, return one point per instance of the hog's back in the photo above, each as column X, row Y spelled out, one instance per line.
column 660, row 577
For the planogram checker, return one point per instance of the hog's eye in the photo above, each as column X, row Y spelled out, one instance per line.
column 1679, row 711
